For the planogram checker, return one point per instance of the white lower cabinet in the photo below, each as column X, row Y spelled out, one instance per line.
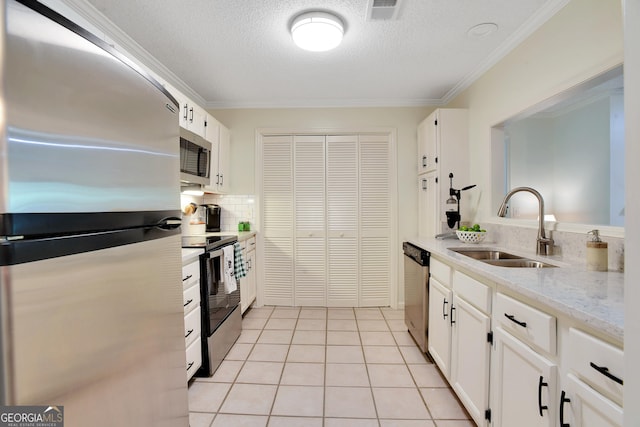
column 191, row 304
column 439, row 325
column 470, row 375
column 592, row 388
column 513, row 362
column 524, row 385
column 460, row 326
column 248, row 285
column 582, row 406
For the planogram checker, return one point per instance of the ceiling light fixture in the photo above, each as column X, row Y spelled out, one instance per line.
column 317, row 31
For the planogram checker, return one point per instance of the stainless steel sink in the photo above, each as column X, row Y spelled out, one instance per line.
column 518, row 263
column 486, row 254
column 500, row 258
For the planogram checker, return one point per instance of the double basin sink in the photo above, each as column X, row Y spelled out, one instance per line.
column 500, row 258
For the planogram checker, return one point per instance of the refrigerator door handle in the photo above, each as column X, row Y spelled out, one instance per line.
column 170, row 223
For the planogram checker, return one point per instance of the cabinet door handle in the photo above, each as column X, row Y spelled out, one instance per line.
column 605, row 371
column 190, row 365
column 444, row 308
column 514, row 320
column 563, row 400
column 424, row 184
column 186, row 109
column 221, row 179
column 191, row 118
column 424, row 161
column 189, row 301
column 451, row 317
column 187, row 278
column 541, row 384
column 188, row 333
column 217, row 179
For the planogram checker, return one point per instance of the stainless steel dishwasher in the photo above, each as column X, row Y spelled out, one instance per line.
column 416, row 293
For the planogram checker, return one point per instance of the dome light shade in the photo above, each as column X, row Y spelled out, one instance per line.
column 317, row 31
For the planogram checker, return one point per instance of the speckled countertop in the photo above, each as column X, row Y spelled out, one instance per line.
column 595, row 298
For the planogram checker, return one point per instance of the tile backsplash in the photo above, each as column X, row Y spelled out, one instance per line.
column 234, row 208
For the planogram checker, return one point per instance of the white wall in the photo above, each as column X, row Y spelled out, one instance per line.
column 244, row 122
column 582, row 40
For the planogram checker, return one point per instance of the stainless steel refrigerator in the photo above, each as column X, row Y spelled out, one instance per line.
column 90, row 286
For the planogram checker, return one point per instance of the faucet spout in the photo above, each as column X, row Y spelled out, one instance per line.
column 544, row 244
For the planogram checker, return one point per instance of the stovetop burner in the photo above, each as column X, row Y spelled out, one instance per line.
column 207, row 242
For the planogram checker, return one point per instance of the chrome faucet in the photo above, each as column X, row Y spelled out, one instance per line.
column 544, row 244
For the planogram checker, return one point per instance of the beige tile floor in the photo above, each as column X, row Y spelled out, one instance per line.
column 334, row 367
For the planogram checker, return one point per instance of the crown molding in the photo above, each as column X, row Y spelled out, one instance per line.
column 328, row 103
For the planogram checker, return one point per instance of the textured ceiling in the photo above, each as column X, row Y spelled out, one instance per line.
column 239, row 53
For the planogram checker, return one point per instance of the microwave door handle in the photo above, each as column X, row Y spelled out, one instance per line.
column 200, row 151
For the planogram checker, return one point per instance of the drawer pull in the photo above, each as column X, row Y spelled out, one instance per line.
column 605, row 371
column 563, row 400
column 541, row 407
column 444, row 308
column 190, row 365
column 188, row 333
column 187, row 278
column 514, row 320
column 188, row 302
column 451, row 318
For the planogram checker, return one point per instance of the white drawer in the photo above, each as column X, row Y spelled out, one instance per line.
column 532, row 325
column 190, row 274
column 194, row 358
column 243, row 244
column 476, row 293
column 251, row 243
column 191, row 298
column 192, row 326
column 597, row 363
column 440, row 271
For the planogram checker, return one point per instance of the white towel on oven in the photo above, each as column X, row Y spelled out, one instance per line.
column 230, row 284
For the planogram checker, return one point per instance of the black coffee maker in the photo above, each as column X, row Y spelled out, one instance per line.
column 212, row 217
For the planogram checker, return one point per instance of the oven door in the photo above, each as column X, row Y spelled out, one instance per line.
column 216, row 303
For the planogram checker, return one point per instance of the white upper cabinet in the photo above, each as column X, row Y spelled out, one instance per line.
column 427, row 147
column 192, row 117
column 224, row 159
column 220, row 138
column 442, row 149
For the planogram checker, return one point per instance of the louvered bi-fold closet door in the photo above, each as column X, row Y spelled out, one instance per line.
column 375, row 220
column 342, row 221
column 310, row 223
column 277, row 219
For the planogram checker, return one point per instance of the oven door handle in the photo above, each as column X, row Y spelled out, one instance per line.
column 213, row 254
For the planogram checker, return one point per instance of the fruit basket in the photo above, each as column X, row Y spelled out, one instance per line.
column 471, row 236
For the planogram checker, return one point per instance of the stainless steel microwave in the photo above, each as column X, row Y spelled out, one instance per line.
column 195, row 158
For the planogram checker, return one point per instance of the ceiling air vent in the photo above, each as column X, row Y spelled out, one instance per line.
column 382, row 9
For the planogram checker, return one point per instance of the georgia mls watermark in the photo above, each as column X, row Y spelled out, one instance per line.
column 31, row 416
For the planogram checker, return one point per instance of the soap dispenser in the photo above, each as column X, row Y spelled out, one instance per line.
column 597, row 252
